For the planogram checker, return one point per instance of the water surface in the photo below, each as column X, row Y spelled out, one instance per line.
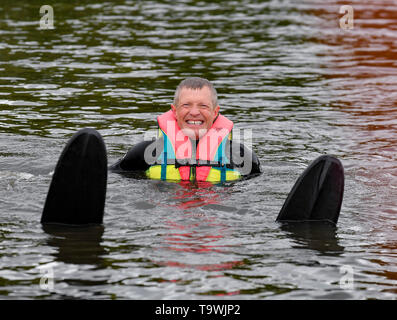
column 283, row 69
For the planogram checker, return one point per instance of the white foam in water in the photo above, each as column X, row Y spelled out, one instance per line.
column 16, row 175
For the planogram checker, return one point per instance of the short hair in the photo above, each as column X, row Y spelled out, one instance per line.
column 196, row 83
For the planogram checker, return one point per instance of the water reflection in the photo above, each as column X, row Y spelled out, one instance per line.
column 383, row 257
column 196, row 232
column 362, row 75
column 318, row 236
column 77, row 245
column 196, row 194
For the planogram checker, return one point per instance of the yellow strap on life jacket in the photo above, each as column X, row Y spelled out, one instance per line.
column 154, row 172
column 215, row 175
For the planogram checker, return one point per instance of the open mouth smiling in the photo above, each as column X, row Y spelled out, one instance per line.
column 195, row 122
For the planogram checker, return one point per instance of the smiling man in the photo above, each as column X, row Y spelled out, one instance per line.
column 195, row 107
column 194, row 143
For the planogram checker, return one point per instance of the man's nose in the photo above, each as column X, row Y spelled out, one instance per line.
column 194, row 110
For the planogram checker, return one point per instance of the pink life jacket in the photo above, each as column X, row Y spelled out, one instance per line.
column 210, row 148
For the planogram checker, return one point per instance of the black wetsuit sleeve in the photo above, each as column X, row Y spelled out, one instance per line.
column 244, row 159
column 256, row 166
column 134, row 159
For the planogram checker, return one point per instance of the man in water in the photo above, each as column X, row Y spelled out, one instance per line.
column 195, row 141
column 194, row 144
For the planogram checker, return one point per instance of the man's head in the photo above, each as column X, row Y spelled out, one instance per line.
column 195, row 106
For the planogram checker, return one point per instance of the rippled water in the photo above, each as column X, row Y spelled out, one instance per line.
column 284, row 69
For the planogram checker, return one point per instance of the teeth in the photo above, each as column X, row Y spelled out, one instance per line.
column 195, row 122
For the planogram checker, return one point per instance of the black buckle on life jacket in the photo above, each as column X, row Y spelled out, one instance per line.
column 195, row 163
column 200, row 163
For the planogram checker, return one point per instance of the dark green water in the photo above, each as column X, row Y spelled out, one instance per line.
column 283, row 70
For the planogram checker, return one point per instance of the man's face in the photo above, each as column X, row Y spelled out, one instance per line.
column 195, row 112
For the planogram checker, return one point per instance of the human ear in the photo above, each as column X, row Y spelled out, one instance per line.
column 217, row 110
